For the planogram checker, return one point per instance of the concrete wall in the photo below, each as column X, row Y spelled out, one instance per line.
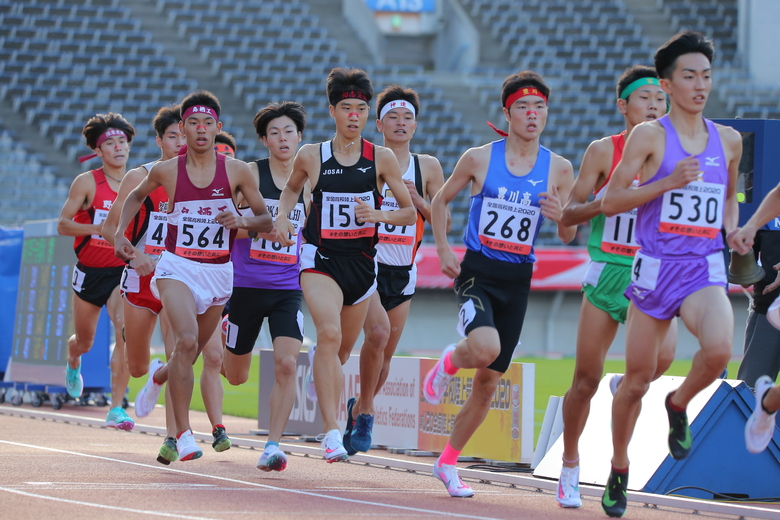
column 759, row 23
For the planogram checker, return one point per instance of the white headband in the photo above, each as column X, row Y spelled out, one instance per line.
column 397, row 104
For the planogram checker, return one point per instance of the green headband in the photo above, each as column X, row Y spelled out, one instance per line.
column 636, row 84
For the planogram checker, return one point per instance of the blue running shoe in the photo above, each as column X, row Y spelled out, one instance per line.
column 118, row 418
column 347, row 439
column 74, row 383
column 360, row 440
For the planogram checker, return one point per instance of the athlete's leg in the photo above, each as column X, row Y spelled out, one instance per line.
column 376, row 331
column 476, row 407
column 707, row 313
column 595, row 332
column 210, row 382
column 667, row 351
column 139, row 328
column 236, row 368
column 397, row 317
column 478, row 350
column 282, row 400
column 120, row 375
column 85, row 319
column 644, row 335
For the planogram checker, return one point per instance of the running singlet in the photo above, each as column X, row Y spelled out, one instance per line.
column 93, row 250
column 149, row 227
column 192, row 231
column 260, row 263
column 331, row 225
column 398, row 244
column 505, row 217
column 686, row 221
column 613, row 239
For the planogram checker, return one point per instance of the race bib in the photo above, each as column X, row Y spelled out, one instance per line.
column 644, row 271
column 694, row 210
column 131, row 282
column 98, row 218
column 156, row 233
column 77, row 281
column 338, row 216
column 508, row 226
column 199, row 236
column 619, row 237
column 262, row 249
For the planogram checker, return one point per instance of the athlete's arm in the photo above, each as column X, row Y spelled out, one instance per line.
column 305, row 169
column 123, row 249
column 80, row 196
column 241, row 203
column 551, row 201
column 143, row 264
column 733, row 143
column 242, row 179
column 388, row 173
column 645, row 141
column 594, row 171
column 433, row 180
column 742, row 238
column 473, row 161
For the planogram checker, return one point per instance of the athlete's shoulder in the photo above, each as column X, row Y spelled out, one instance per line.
column 560, row 164
column 728, row 134
column 428, row 161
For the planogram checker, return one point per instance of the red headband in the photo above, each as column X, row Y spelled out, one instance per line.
column 199, row 109
column 224, row 148
column 525, row 91
column 108, row 134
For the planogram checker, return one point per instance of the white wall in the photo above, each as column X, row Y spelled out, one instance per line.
column 759, row 24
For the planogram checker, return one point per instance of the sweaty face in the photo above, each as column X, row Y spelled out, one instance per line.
column 282, row 138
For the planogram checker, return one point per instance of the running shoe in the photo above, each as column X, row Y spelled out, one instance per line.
column 437, row 380
column 569, row 487
column 272, row 459
column 186, row 446
column 614, row 501
column 760, row 427
column 347, row 439
column 146, row 399
column 614, row 382
column 361, row 435
column 221, row 440
column 168, row 451
column 449, row 475
column 333, row 449
column 679, row 432
column 311, row 391
column 74, row 383
column 118, row 418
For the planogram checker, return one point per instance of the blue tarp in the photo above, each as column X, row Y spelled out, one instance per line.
column 10, row 264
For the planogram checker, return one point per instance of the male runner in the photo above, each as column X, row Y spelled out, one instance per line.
column 194, row 277
column 265, row 282
column 338, row 270
column 612, row 245
column 515, row 184
column 97, row 273
column 388, row 308
column 687, row 170
column 225, row 144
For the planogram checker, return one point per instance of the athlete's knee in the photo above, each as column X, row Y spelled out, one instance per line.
column 237, row 377
column 186, row 345
column 584, row 386
column 286, row 368
column 376, row 336
column 634, row 388
column 717, row 356
column 212, row 358
column 485, row 353
column 137, row 369
column 328, row 336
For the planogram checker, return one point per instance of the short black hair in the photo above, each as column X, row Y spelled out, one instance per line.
column 342, row 80
column 99, row 125
column 291, row 109
column 166, row 117
column 632, row 74
column 518, row 80
column 397, row 93
column 225, row 138
column 201, row 97
column 686, row 42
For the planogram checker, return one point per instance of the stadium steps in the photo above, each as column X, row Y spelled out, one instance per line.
column 329, row 14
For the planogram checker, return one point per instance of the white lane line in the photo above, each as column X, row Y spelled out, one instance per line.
column 246, row 483
column 103, row 506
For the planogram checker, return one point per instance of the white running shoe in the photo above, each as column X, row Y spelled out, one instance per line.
column 614, row 381
column 187, row 448
column 311, row 391
column 333, row 447
column 272, row 459
column 569, row 488
column 437, row 379
column 449, row 475
column 146, row 399
column 760, row 425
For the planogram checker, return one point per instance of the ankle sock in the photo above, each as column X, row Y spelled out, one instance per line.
column 448, row 366
column 449, row 456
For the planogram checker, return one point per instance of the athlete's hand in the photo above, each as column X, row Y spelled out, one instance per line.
column 774, row 285
column 550, row 202
column 418, row 201
column 230, row 220
column 143, row 264
column 365, row 213
column 450, row 265
column 685, row 172
column 285, row 231
column 741, row 239
column 123, row 249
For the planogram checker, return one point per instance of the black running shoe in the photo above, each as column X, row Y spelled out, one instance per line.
column 614, row 501
column 347, row 439
column 221, row 440
column 168, row 452
column 679, row 432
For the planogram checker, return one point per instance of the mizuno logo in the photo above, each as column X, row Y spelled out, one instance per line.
column 217, row 192
column 638, row 293
column 534, row 183
column 364, row 170
column 712, row 161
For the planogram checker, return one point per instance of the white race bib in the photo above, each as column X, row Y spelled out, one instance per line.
column 131, row 282
column 508, row 226
column 694, row 210
column 98, row 217
column 619, row 237
column 156, row 233
column 199, row 236
column 338, row 216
